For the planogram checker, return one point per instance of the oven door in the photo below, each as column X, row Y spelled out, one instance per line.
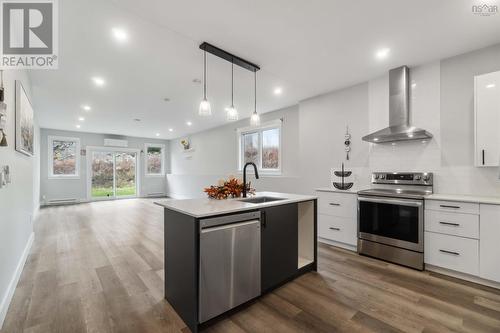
column 392, row 221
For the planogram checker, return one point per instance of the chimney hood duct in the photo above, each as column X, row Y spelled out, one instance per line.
column 399, row 112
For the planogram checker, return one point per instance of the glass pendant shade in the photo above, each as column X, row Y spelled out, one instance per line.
column 205, row 108
column 255, row 119
column 231, row 113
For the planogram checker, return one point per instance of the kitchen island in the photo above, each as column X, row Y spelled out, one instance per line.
column 222, row 254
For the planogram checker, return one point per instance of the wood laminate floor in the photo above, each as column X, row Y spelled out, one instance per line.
column 98, row 267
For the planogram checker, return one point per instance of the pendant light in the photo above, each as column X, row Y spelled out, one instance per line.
column 255, row 118
column 231, row 112
column 205, row 109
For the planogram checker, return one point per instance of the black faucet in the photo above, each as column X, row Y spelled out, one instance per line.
column 245, row 177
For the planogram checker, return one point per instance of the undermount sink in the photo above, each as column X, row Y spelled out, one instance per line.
column 257, row 200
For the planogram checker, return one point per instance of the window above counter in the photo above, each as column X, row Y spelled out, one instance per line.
column 261, row 145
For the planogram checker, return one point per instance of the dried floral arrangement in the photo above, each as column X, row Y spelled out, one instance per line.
column 232, row 187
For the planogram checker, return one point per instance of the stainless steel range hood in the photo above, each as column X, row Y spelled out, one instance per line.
column 399, row 112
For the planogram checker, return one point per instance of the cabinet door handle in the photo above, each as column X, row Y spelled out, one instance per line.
column 334, row 228
column 263, row 219
column 450, row 252
column 448, row 206
column 482, row 153
column 449, row 223
column 334, row 204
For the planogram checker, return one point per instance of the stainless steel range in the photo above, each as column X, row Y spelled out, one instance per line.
column 391, row 217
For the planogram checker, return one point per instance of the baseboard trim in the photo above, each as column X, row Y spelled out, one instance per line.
column 4, row 306
column 345, row 246
column 462, row 276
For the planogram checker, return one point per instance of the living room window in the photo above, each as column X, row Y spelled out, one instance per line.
column 155, row 159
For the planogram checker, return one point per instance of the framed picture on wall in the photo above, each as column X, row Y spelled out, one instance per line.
column 25, row 129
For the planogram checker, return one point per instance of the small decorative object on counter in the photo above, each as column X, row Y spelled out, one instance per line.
column 347, row 142
column 232, row 187
column 185, row 144
column 3, row 114
column 342, row 174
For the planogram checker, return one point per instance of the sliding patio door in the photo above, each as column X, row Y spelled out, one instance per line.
column 112, row 174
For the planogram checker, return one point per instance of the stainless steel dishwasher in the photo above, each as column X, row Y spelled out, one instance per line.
column 229, row 263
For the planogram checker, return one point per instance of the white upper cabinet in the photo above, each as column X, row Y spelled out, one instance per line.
column 487, row 119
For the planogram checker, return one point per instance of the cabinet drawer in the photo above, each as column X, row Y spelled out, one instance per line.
column 453, row 206
column 337, row 204
column 452, row 252
column 455, row 224
column 340, row 229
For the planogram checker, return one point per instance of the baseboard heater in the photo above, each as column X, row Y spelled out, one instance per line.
column 58, row 202
column 156, row 194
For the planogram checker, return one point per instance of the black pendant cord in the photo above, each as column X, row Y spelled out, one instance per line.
column 205, row 75
column 232, row 85
column 255, row 91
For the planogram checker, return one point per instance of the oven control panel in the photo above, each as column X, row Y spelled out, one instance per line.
column 407, row 178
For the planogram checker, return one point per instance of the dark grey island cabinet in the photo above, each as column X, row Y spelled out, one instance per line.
column 221, row 255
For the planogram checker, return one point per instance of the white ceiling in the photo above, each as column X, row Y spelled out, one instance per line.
column 305, row 47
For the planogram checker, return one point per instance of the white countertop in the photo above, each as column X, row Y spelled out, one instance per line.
column 204, row 207
column 464, row 198
column 333, row 189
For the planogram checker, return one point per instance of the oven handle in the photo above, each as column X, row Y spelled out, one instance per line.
column 392, row 201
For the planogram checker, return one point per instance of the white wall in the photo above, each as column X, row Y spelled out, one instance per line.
column 77, row 188
column 441, row 101
column 215, row 156
column 18, row 201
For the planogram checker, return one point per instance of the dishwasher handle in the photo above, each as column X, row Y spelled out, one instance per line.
column 227, row 226
column 228, row 219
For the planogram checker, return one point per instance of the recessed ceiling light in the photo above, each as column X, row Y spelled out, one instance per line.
column 189, row 123
column 98, row 81
column 78, row 126
column 413, row 85
column 157, row 134
column 81, row 119
column 278, row 91
column 120, row 34
column 382, row 53
column 170, row 129
column 489, row 86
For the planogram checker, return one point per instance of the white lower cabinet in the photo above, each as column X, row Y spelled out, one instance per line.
column 489, row 248
column 452, row 252
column 463, row 237
column 338, row 218
column 340, row 229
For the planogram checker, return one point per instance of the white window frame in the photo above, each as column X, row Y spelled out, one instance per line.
column 154, row 145
column 50, row 144
column 259, row 129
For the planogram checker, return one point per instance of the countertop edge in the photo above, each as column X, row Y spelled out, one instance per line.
column 465, row 198
column 238, row 209
column 333, row 190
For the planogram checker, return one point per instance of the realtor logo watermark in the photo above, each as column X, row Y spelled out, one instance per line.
column 485, row 10
column 29, row 34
